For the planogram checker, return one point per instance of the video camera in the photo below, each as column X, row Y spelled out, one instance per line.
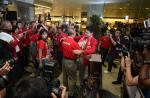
column 122, row 49
column 4, row 80
column 48, row 76
column 143, row 40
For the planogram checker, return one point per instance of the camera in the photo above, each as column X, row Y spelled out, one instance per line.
column 53, row 87
column 10, row 61
column 142, row 41
column 4, row 80
column 48, row 76
column 122, row 49
column 25, row 33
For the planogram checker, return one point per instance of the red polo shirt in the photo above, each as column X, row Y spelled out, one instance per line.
column 105, row 43
column 68, row 45
column 42, row 45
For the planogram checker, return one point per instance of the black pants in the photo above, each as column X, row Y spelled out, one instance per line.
column 112, row 55
column 25, row 56
column 120, row 74
column 59, row 57
column 103, row 52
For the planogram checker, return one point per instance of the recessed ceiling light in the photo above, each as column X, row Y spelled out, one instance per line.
column 147, row 8
column 120, row 8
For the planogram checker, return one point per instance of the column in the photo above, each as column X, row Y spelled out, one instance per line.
column 95, row 8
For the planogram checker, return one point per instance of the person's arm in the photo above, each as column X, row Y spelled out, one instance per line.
column 76, row 48
column 40, row 56
column 63, row 91
column 77, row 52
column 112, row 40
column 92, row 49
column 122, row 64
column 144, row 78
column 130, row 80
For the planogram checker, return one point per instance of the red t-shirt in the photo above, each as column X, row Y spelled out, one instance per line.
column 42, row 45
column 34, row 37
column 105, row 43
column 68, row 45
column 26, row 39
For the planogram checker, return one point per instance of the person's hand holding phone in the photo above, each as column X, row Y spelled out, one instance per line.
column 128, row 61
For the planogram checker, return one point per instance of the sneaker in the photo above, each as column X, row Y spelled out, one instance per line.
column 116, row 82
column 107, row 72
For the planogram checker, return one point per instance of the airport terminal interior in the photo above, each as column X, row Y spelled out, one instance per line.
column 74, row 48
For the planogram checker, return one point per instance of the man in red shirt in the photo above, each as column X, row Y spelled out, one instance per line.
column 71, row 50
column 88, row 44
column 104, row 45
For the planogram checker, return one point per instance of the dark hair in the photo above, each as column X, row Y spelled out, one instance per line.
column 64, row 27
column 41, row 33
column 32, row 22
column 119, row 30
column 102, row 94
column 14, row 29
column 37, row 28
column 105, row 94
column 18, row 22
column 89, row 28
column 30, row 88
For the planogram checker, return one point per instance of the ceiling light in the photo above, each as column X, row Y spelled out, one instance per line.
column 101, row 17
column 147, row 8
column 127, row 17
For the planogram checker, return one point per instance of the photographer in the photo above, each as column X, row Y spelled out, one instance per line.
column 113, row 53
column 5, row 53
column 5, row 40
column 131, row 67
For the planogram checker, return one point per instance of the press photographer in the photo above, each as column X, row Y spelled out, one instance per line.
column 135, row 66
column 6, row 60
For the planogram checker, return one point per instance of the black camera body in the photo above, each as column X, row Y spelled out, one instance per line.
column 10, row 61
column 142, row 41
column 122, row 49
column 48, row 76
column 54, row 87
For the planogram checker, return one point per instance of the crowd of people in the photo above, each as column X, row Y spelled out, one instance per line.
column 64, row 43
